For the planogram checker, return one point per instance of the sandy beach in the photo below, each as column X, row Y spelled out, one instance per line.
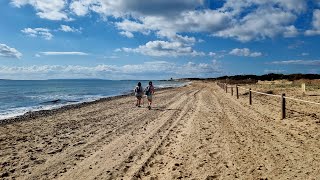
column 192, row 132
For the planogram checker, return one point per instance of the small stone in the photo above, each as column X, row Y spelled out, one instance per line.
column 6, row 174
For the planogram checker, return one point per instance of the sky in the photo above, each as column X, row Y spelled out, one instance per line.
column 157, row 39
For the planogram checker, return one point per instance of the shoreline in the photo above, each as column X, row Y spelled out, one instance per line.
column 48, row 112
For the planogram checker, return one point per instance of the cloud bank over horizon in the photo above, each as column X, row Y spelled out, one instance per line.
column 146, row 70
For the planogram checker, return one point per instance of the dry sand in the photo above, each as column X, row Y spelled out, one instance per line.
column 193, row 132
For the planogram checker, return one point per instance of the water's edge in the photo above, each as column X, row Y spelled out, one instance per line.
column 43, row 113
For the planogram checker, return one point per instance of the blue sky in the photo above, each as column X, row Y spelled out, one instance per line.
column 159, row 39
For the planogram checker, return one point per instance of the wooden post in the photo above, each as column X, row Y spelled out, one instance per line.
column 226, row 88
column 250, row 97
column 237, row 89
column 303, row 87
column 231, row 90
column 283, row 106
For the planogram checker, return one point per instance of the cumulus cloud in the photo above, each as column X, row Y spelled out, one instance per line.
column 145, row 70
column 298, row 62
column 46, row 9
column 120, row 8
column 244, row 52
column 127, row 34
column 266, row 19
column 38, row 32
column 132, row 26
column 6, row 51
column 66, row 28
column 212, row 54
column 237, row 7
column 315, row 24
column 55, row 53
column 261, row 24
column 164, row 48
column 191, row 21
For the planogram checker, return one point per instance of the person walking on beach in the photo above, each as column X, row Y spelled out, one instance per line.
column 149, row 92
column 138, row 92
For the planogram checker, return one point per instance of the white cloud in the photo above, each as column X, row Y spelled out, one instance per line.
column 177, row 38
column 266, row 19
column 261, row 24
column 217, row 54
column 190, row 21
column 127, row 34
column 304, row 54
column 212, row 54
column 46, row 9
column 131, row 26
column 54, row 53
column 244, row 52
column 80, row 8
column 117, row 50
column 120, row 8
column 315, row 24
column 298, row 62
column 66, row 28
column 153, row 69
column 291, row 31
column 164, row 48
column 237, row 7
column 38, row 32
column 6, row 51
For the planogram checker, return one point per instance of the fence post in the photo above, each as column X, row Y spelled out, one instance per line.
column 226, row 88
column 237, row 91
column 283, row 106
column 250, row 97
column 231, row 90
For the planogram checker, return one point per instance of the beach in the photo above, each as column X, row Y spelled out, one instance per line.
column 193, row 132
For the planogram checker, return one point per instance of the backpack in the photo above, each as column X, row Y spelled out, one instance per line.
column 138, row 89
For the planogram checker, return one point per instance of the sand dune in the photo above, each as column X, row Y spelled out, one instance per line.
column 193, row 132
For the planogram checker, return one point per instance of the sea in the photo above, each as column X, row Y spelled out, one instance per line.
column 20, row 96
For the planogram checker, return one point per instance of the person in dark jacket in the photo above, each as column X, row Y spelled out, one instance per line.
column 138, row 92
column 149, row 92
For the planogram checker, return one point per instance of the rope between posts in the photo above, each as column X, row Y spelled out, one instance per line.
column 242, row 88
column 266, row 94
column 281, row 96
column 301, row 100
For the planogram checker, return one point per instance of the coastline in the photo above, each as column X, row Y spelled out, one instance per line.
column 43, row 113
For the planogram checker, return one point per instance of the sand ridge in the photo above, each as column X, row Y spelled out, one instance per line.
column 193, row 132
